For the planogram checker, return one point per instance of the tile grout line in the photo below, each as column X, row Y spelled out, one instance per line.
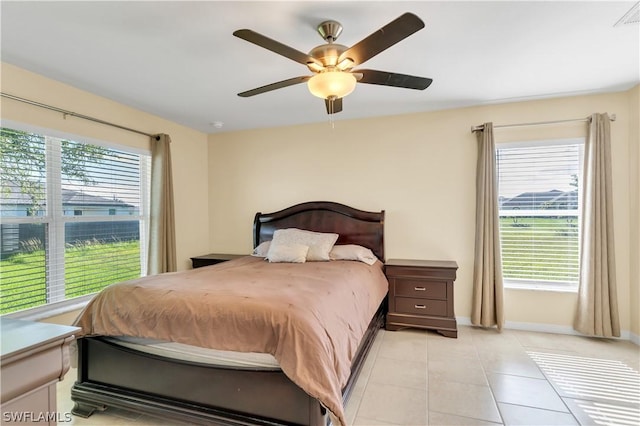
column 486, row 377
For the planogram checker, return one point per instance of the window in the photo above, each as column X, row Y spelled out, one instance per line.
column 73, row 218
column 539, row 212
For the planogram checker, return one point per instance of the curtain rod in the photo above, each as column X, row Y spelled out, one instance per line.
column 65, row 113
column 539, row 123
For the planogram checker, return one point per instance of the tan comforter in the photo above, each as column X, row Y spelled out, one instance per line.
column 310, row 317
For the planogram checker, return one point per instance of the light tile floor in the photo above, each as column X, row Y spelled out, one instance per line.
column 415, row 377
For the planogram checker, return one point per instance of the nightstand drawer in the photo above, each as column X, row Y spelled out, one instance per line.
column 421, row 289
column 411, row 305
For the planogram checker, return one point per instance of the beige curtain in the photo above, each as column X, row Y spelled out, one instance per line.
column 488, row 299
column 597, row 313
column 162, row 239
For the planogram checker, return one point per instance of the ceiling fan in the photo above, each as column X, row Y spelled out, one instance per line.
column 332, row 64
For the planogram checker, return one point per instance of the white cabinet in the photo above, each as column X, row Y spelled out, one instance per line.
column 35, row 356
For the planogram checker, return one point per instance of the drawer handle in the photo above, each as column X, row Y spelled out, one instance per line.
column 419, row 306
column 420, row 288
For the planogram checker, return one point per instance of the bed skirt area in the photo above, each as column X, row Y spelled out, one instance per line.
column 197, row 393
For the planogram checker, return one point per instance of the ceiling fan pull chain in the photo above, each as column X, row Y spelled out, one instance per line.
column 331, row 111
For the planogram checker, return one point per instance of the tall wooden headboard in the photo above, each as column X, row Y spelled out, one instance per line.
column 354, row 226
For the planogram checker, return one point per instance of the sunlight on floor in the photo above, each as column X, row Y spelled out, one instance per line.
column 607, row 391
column 606, row 414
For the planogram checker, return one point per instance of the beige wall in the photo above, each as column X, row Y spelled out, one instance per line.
column 420, row 168
column 189, row 147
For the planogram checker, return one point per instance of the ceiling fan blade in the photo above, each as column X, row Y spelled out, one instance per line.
column 384, row 38
column 333, row 105
column 384, row 78
column 274, row 86
column 275, row 46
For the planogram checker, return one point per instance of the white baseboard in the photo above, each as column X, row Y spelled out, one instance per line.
column 552, row 328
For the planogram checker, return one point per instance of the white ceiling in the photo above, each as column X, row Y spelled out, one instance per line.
column 179, row 60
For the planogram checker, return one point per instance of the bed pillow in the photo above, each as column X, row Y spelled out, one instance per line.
column 353, row 252
column 262, row 250
column 320, row 244
column 291, row 253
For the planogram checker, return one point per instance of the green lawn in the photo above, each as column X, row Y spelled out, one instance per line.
column 22, row 276
column 547, row 244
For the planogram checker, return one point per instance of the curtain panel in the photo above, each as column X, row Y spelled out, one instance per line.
column 162, row 239
column 488, row 289
column 597, row 311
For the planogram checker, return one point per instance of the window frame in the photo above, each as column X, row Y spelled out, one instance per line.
column 539, row 284
column 56, row 221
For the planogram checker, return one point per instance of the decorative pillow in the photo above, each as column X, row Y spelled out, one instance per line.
column 262, row 249
column 353, row 252
column 320, row 244
column 292, row 253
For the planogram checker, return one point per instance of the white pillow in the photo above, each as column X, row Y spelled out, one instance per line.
column 262, row 249
column 353, row 252
column 292, row 253
column 320, row 244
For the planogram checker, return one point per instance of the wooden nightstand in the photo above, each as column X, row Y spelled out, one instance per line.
column 212, row 259
column 421, row 295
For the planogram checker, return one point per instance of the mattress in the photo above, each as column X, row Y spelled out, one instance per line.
column 212, row 357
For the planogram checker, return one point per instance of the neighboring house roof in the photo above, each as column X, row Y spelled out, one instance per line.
column 79, row 198
column 540, row 200
column 70, row 197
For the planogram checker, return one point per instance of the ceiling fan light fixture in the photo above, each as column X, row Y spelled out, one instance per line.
column 329, row 84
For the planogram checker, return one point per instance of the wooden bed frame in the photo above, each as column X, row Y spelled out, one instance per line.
column 110, row 375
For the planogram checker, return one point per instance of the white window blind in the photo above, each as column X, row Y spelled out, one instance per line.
column 539, row 212
column 73, row 218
